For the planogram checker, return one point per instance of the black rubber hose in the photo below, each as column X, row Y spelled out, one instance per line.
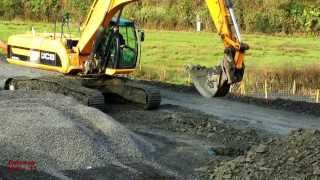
column 229, row 3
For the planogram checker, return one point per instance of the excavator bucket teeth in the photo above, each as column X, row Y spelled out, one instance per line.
column 210, row 82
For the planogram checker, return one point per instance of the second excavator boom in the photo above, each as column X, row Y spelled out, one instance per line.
column 216, row 81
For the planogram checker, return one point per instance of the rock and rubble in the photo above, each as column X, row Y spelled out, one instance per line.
column 193, row 140
column 181, row 120
column 294, row 157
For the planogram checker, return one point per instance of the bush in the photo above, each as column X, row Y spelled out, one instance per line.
column 263, row 24
column 287, row 16
column 9, row 9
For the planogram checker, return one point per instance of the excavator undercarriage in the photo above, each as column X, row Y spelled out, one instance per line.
column 91, row 91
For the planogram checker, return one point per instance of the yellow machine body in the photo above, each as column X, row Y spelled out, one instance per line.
column 42, row 51
column 88, row 55
column 50, row 52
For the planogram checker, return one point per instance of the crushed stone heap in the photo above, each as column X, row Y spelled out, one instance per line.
column 294, row 157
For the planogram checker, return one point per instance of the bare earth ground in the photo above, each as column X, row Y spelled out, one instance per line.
column 187, row 138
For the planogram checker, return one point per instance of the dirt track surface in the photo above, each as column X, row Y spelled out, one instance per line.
column 300, row 107
column 246, row 115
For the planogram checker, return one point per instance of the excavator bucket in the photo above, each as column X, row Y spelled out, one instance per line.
column 210, row 82
column 216, row 81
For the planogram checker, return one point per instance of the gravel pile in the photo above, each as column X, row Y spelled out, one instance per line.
column 60, row 134
column 294, row 157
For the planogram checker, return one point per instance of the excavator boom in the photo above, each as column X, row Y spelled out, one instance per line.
column 216, row 81
column 210, row 82
column 100, row 15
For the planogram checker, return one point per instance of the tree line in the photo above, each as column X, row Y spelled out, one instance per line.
column 267, row 16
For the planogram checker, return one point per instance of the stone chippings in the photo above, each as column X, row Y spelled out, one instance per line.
column 294, row 157
column 61, row 134
column 195, row 123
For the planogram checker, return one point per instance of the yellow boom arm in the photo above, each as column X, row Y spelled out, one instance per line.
column 102, row 11
column 222, row 12
column 100, row 14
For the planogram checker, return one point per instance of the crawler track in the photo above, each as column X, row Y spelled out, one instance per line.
column 91, row 91
column 67, row 87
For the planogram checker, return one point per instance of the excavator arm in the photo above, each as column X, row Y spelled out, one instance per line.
column 210, row 82
column 216, row 81
column 223, row 16
column 100, row 15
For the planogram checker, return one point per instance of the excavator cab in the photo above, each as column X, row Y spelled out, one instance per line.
column 119, row 46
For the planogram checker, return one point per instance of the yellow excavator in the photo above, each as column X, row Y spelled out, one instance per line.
column 109, row 46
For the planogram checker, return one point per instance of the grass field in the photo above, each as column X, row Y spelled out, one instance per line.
column 171, row 50
column 176, row 48
column 164, row 54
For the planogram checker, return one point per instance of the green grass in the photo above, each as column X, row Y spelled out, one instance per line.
column 176, row 48
column 172, row 50
column 164, row 54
